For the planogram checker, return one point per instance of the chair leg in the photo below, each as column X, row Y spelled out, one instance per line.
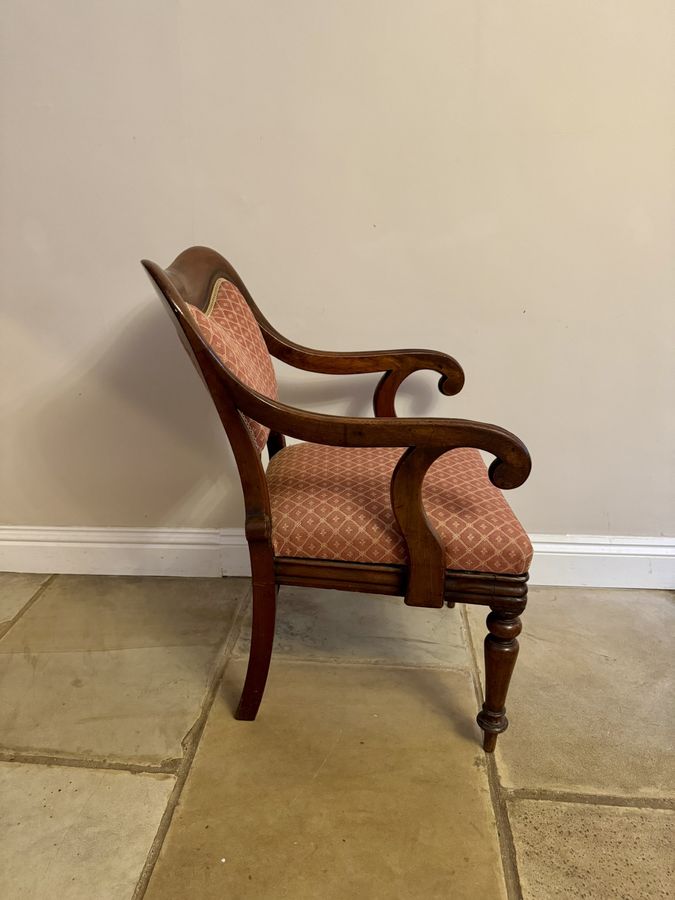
column 501, row 652
column 262, row 638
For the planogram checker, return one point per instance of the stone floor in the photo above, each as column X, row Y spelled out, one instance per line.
column 124, row 775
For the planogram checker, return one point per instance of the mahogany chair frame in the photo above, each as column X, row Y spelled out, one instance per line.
column 424, row 581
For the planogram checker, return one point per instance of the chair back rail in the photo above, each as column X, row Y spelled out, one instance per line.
column 177, row 286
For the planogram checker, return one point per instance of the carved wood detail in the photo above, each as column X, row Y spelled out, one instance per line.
column 501, row 652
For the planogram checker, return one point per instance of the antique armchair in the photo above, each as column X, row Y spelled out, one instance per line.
column 385, row 505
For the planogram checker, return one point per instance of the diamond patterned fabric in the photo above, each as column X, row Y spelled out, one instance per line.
column 230, row 328
column 333, row 503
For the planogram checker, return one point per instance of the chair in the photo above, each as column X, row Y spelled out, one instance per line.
column 382, row 505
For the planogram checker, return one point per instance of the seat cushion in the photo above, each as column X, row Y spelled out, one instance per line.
column 230, row 328
column 333, row 503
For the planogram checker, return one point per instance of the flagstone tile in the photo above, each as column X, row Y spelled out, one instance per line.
column 573, row 850
column 80, row 834
column 355, row 781
column 591, row 697
column 113, row 668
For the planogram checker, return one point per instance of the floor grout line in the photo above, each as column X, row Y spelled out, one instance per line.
column 74, row 762
column 507, row 845
column 191, row 744
column 551, row 796
column 27, row 605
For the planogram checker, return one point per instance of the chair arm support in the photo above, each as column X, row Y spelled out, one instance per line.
column 426, row 553
column 451, row 381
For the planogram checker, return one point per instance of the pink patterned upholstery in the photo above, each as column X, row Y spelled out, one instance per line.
column 333, row 503
column 230, row 328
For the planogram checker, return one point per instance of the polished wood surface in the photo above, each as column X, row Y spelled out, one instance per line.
column 424, row 581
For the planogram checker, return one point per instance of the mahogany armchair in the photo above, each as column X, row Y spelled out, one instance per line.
column 381, row 505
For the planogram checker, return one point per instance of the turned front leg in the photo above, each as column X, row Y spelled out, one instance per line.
column 501, row 652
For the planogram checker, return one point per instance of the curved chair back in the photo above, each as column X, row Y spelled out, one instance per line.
column 215, row 317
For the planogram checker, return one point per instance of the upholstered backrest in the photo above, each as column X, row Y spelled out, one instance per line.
column 230, row 328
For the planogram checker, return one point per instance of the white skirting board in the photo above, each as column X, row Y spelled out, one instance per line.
column 576, row 560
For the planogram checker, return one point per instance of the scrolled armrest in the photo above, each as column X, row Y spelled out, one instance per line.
column 509, row 469
column 328, row 362
column 426, row 553
column 396, row 365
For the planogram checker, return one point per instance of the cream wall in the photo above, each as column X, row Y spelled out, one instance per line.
column 495, row 180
